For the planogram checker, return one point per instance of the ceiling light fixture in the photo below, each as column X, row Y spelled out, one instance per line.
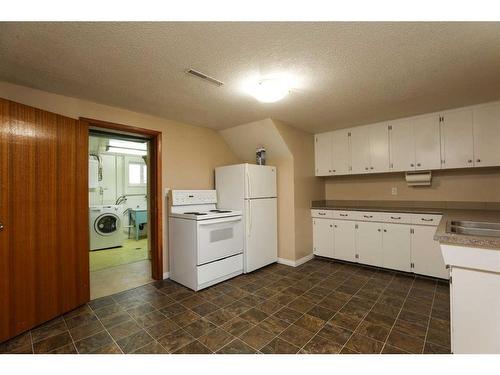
column 269, row 90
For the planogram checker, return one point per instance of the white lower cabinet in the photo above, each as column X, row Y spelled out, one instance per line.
column 426, row 254
column 396, row 241
column 405, row 247
column 323, row 237
column 344, row 240
column 369, row 243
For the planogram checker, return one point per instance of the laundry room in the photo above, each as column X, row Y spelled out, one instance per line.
column 118, row 213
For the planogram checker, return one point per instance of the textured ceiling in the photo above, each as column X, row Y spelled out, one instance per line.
column 348, row 73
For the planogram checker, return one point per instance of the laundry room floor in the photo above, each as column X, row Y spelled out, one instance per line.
column 319, row 307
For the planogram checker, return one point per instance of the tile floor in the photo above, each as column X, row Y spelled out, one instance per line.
column 319, row 307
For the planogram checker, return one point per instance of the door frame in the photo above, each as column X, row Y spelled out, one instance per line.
column 154, row 188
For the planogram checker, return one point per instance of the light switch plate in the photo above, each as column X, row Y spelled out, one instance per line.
column 394, row 191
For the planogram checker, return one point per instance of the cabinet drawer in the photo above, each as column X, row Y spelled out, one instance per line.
column 324, row 214
column 370, row 216
column 345, row 215
column 397, row 217
column 426, row 219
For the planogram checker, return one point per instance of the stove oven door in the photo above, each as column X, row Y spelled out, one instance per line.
column 219, row 238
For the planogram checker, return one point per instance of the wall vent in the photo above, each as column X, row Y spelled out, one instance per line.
column 203, row 76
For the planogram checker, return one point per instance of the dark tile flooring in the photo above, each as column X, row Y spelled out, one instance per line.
column 319, row 307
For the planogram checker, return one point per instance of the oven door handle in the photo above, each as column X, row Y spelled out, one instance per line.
column 219, row 221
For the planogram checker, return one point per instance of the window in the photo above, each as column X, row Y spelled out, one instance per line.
column 137, row 174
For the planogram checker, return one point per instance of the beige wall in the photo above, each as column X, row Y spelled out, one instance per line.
column 479, row 185
column 189, row 153
column 306, row 187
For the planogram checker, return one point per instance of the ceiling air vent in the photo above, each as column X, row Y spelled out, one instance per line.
column 204, row 77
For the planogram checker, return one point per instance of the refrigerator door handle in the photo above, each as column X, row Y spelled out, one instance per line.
column 249, row 217
column 248, row 185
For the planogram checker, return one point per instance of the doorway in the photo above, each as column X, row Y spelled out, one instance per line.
column 125, row 247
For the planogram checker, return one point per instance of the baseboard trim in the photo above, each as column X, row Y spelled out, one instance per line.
column 166, row 275
column 295, row 263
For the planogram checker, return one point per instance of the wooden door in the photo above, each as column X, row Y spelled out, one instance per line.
column 458, row 143
column 44, row 212
column 323, row 237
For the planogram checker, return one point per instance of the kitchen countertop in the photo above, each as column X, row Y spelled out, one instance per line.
column 475, row 211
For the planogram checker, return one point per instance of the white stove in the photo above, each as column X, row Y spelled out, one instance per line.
column 205, row 242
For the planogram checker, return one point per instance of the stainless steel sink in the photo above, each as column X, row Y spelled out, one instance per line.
column 473, row 228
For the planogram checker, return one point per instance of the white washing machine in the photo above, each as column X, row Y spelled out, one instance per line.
column 105, row 224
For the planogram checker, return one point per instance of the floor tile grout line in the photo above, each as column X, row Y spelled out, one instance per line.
column 106, row 330
column 364, row 317
column 430, row 316
column 397, row 316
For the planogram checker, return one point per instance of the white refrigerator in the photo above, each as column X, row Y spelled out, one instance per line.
column 252, row 189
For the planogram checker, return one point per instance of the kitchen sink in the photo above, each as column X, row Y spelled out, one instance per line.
column 473, row 228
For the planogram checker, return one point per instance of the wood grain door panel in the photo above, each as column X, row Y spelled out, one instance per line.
column 44, row 209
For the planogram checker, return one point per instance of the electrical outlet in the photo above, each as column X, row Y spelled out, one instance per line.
column 394, row 191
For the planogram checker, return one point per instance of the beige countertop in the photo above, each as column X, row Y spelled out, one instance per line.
column 474, row 211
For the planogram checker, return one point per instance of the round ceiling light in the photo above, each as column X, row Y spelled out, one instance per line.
column 269, row 90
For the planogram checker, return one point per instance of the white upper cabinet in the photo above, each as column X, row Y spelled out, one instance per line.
column 323, row 153
column 460, row 138
column 360, row 150
column 487, row 135
column 341, row 158
column 379, row 147
column 402, row 146
column 457, row 140
column 427, row 142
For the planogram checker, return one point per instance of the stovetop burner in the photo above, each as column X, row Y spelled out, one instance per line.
column 195, row 213
column 220, row 211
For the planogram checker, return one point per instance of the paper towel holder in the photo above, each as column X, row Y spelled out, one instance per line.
column 418, row 178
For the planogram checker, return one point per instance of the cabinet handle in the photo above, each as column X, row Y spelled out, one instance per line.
column 385, row 230
column 478, row 160
column 344, row 215
column 396, row 218
column 424, row 219
column 418, row 164
column 368, row 216
column 371, row 167
column 335, row 226
column 331, row 226
column 469, row 161
column 412, row 165
column 321, row 213
column 378, row 230
column 333, row 170
column 366, row 168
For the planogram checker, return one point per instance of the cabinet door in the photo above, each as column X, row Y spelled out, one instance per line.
column 397, row 247
column 402, row 146
column 341, row 158
column 323, row 237
column 345, row 240
column 487, row 135
column 360, row 150
column 427, row 142
column 456, row 127
column 369, row 243
column 323, row 153
column 426, row 253
column 379, row 147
